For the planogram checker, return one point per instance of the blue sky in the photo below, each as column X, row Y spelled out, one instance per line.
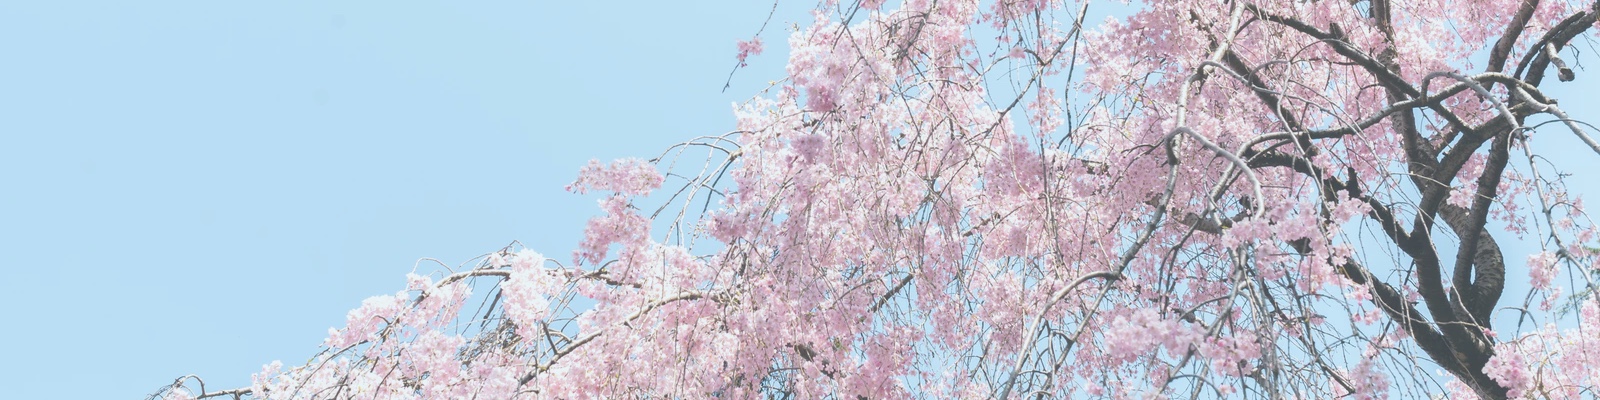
column 204, row 187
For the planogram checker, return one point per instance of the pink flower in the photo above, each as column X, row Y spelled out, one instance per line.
column 1541, row 269
column 629, row 176
column 749, row 48
column 1508, row 368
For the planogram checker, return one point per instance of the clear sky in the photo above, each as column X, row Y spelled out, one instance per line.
column 204, row 187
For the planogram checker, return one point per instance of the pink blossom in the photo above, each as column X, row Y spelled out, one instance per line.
column 627, row 176
column 960, row 199
column 1541, row 269
column 749, row 48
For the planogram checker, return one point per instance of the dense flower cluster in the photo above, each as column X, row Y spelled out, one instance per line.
column 1552, row 363
column 969, row 199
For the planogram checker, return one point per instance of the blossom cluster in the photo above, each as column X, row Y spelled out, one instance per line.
column 1230, row 198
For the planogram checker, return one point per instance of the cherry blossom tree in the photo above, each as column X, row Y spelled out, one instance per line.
column 1005, row 199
